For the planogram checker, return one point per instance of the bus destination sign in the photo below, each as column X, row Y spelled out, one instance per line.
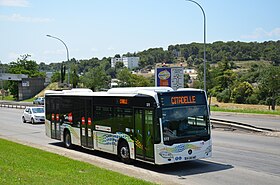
column 175, row 100
column 178, row 99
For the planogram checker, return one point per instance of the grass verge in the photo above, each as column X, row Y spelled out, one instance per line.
column 10, row 98
column 21, row 164
column 247, row 111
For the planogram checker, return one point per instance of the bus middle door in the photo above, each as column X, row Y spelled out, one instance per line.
column 86, row 124
column 143, row 124
column 55, row 119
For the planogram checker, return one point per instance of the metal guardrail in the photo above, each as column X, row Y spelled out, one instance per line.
column 238, row 125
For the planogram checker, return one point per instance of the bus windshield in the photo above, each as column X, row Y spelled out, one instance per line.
column 185, row 124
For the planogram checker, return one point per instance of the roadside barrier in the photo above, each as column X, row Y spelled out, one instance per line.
column 16, row 106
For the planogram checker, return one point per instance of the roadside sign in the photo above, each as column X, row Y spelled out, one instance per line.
column 169, row 77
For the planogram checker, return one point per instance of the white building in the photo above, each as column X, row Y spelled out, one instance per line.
column 129, row 62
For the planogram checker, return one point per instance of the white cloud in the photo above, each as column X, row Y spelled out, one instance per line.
column 20, row 18
column 17, row 3
column 274, row 33
column 261, row 33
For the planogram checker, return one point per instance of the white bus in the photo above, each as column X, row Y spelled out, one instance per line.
column 151, row 124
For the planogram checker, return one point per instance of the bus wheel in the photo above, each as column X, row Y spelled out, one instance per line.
column 67, row 139
column 124, row 152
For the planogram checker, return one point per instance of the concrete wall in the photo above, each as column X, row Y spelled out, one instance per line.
column 29, row 87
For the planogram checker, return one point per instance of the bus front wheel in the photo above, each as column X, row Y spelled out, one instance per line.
column 67, row 139
column 124, row 152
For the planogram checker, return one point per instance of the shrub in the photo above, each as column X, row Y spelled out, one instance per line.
column 224, row 96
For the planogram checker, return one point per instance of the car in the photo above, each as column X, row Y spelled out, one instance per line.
column 39, row 100
column 33, row 115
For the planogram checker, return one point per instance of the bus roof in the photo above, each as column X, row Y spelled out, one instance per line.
column 136, row 90
column 121, row 91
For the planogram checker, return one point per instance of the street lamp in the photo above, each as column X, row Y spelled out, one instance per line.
column 204, row 60
column 66, row 51
column 2, row 89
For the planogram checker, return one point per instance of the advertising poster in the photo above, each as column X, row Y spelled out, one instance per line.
column 169, row 77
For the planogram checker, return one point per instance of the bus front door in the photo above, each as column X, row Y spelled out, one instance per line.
column 143, row 124
column 86, row 124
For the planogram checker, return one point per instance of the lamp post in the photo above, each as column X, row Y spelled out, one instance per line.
column 204, row 58
column 67, row 52
column 2, row 89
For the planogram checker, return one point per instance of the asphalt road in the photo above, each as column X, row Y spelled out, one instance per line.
column 238, row 158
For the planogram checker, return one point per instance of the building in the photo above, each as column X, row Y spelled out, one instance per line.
column 29, row 87
column 129, row 62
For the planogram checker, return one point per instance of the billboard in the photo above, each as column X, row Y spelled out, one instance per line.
column 169, row 77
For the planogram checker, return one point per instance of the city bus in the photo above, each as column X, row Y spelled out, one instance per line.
column 152, row 124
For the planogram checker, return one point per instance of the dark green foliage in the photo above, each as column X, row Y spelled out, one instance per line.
column 62, row 73
column 131, row 80
column 270, row 84
column 25, row 66
column 55, row 77
column 242, row 92
column 224, row 96
column 231, row 51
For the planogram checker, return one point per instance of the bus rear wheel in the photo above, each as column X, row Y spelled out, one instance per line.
column 67, row 139
column 124, row 152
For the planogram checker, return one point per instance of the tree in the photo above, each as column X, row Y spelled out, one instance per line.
column 23, row 66
column 270, row 84
column 119, row 65
column 117, row 56
column 55, row 77
column 222, row 76
column 74, row 78
column 125, row 77
column 62, row 73
column 242, row 92
column 96, row 79
column 131, row 80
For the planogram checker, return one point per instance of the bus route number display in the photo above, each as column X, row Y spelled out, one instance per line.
column 123, row 101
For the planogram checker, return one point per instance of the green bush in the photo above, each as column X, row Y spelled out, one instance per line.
column 253, row 99
column 224, row 96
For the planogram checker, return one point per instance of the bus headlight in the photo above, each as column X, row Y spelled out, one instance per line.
column 165, row 154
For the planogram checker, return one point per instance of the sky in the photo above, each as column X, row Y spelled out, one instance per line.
column 104, row 28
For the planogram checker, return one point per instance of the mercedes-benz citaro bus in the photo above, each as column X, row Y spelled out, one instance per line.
column 152, row 124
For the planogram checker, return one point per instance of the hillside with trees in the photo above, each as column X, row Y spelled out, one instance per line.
column 237, row 72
